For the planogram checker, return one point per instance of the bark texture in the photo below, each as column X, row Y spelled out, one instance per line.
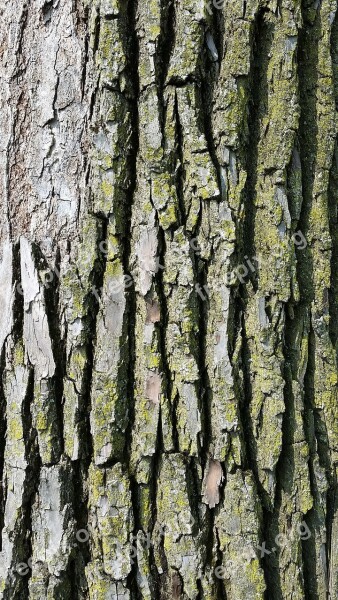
column 169, row 299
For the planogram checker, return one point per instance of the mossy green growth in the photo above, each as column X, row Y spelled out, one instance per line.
column 114, row 270
column 172, row 501
column 108, row 423
column 110, row 56
column 77, row 364
column 14, row 426
column 72, row 286
column 107, row 189
column 256, row 577
column 111, row 537
column 145, row 507
column 165, row 199
column 19, row 354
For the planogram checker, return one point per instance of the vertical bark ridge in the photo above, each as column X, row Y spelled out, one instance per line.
column 19, row 450
column 293, row 494
column 249, row 148
column 332, row 508
column 164, row 48
column 308, row 55
column 112, row 183
column 333, row 491
column 318, row 99
column 271, row 226
column 9, row 62
column 243, row 573
column 150, row 377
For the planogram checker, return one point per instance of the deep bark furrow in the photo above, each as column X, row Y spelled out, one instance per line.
column 316, row 85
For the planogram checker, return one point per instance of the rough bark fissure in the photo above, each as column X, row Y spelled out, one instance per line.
column 31, row 485
column 165, row 45
column 308, row 132
column 168, row 287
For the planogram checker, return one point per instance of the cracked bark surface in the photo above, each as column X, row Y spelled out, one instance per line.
column 169, row 299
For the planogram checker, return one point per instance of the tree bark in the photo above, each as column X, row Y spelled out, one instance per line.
column 169, row 299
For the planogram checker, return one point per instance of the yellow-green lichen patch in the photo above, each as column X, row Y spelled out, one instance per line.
column 45, row 421
column 110, row 508
column 174, row 518
column 238, row 525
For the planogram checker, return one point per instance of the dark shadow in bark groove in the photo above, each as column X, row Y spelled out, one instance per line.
column 128, row 24
column 94, row 92
column 209, row 80
column 285, row 468
column 47, row 12
column 32, row 477
column 193, row 490
column 163, row 327
column 262, row 36
column 218, row 28
column 78, row 562
column 315, row 429
column 153, row 484
column 164, row 49
column 205, row 393
column 131, row 49
column 51, row 293
column 312, row 518
column 180, row 173
column 82, row 26
column 92, row 305
column 80, row 467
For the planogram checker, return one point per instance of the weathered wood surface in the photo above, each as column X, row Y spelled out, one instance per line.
column 169, row 299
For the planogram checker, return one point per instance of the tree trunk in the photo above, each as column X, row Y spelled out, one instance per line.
column 169, row 299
